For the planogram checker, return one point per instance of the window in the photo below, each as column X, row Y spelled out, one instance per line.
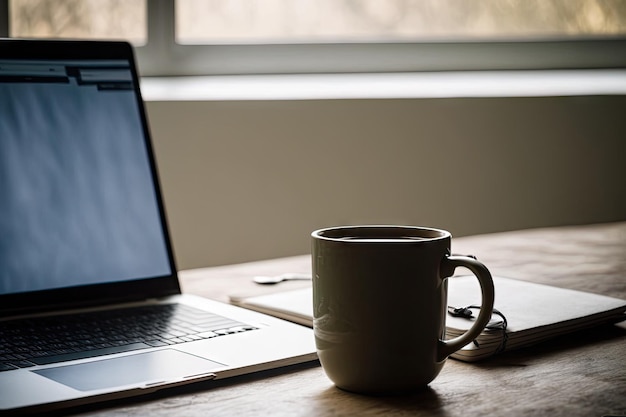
column 102, row 19
column 181, row 37
column 307, row 21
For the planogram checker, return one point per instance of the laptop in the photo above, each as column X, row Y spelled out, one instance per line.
column 90, row 303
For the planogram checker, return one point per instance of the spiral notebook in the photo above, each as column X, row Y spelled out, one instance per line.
column 527, row 313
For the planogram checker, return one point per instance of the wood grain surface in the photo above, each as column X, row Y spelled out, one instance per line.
column 582, row 374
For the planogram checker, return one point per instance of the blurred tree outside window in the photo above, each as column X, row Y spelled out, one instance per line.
column 176, row 33
column 79, row 19
column 206, row 21
column 288, row 21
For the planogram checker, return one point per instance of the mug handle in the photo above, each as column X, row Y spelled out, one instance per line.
column 448, row 265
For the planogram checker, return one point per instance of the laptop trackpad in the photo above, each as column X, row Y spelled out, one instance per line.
column 143, row 368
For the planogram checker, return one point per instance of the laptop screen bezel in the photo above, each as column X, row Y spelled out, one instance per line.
column 106, row 293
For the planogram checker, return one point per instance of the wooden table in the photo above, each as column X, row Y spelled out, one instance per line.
column 583, row 374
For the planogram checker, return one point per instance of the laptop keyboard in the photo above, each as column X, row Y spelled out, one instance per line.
column 41, row 341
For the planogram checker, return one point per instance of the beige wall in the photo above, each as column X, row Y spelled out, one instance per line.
column 249, row 180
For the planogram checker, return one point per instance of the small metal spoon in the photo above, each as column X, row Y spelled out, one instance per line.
column 280, row 278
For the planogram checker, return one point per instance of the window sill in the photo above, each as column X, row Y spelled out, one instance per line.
column 387, row 86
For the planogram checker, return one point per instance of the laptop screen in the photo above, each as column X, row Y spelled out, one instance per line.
column 78, row 203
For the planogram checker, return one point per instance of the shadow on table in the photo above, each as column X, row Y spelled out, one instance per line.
column 425, row 401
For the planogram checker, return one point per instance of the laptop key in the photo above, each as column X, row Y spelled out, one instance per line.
column 156, row 343
column 44, row 360
column 7, row 367
column 207, row 335
column 22, row 364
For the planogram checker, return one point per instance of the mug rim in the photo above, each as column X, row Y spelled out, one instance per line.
column 359, row 234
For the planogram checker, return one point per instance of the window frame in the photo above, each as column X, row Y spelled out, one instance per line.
column 161, row 56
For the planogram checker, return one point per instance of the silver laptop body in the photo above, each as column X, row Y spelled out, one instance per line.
column 83, row 234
